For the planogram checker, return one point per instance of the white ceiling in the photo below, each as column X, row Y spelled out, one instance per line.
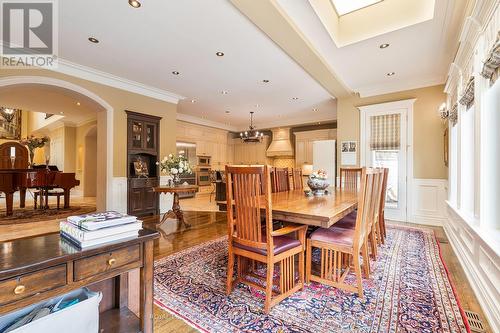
column 146, row 44
column 419, row 54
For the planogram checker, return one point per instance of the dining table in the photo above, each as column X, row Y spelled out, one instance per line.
column 297, row 206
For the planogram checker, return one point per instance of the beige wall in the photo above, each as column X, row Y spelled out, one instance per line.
column 427, row 127
column 120, row 101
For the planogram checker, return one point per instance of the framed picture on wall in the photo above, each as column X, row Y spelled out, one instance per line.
column 10, row 123
column 445, row 150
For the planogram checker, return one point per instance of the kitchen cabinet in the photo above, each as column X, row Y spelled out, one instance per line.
column 250, row 153
column 304, row 144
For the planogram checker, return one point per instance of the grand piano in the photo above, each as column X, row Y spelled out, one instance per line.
column 15, row 176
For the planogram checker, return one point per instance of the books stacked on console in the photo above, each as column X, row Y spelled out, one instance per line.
column 98, row 228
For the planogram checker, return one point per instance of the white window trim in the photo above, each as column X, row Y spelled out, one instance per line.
column 397, row 105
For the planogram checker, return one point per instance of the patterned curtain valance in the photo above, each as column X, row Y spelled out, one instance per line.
column 385, row 132
column 492, row 63
column 454, row 114
column 467, row 97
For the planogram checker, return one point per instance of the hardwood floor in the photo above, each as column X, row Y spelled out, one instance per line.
column 210, row 225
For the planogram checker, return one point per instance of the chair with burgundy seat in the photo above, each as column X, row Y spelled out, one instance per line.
column 378, row 227
column 335, row 244
column 251, row 243
column 280, row 180
column 349, row 178
column 298, row 183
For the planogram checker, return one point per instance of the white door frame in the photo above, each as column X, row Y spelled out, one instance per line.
column 388, row 107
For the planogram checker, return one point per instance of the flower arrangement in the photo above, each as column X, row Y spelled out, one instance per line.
column 175, row 165
column 33, row 143
column 320, row 174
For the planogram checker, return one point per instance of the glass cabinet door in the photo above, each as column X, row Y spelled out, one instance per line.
column 150, row 136
column 137, row 133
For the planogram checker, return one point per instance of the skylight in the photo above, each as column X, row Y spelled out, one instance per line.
column 348, row 6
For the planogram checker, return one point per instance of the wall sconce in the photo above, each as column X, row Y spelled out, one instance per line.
column 443, row 112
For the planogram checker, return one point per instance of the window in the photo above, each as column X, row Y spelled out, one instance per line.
column 467, row 162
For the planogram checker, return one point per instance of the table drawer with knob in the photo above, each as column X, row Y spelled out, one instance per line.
column 33, row 283
column 106, row 262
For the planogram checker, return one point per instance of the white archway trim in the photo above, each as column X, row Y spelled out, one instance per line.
column 42, row 80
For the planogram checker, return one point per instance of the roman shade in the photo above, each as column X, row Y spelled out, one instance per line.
column 491, row 66
column 467, row 97
column 385, row 132
column 454, row 114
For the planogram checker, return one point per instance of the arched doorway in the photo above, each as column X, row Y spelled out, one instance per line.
column 104, row 155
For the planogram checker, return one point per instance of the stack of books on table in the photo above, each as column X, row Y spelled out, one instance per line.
column 98, row 228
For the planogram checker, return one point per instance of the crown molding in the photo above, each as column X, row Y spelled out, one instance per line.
column 204, row 122
column 397, row 86
column 94, row 75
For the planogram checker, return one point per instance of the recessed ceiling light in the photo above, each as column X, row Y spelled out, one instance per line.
column 384, row 46
column 224, row 92
column 78, row 103
column 315, row 109
column 219, row 54
column 193, row 101
column 265, row 81
column 295, row 98
column 93, row 40
column 175, row 73
column 391, row 74
column 134, row 3
column 228, row 112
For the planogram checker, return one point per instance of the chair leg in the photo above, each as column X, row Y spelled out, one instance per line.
column 35, row 203
column 301, row 268
column 230, row 271
column 269, row 286
column 366, row 261
column 373, row 243
column 308, row 261
column 357, row 269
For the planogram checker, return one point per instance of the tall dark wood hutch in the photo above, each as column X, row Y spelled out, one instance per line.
column 143, row 148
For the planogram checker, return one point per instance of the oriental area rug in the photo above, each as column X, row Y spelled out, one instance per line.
column 408, row 291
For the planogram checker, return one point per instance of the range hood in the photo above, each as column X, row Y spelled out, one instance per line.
column 281, row 146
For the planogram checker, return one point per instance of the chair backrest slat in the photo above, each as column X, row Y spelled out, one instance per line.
column 244, row 188
column 297, row 179
column 280, row 180
column 350, row 178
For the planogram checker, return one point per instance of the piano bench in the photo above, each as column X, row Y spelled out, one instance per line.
column 50, row 193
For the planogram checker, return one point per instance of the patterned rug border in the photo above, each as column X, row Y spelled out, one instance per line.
column 218, row 239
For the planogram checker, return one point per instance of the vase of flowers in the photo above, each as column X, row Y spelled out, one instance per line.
column 32, row 143
column 175, row 166
column 318, row 182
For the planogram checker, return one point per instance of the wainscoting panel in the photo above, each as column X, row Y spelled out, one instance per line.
column 480, row 263
column 166, row 199
column 428, row 203
column 118, row 200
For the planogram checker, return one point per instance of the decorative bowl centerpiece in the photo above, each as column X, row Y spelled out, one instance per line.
column 318, row 182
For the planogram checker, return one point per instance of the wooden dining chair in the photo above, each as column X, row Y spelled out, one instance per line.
column 349, row 178
column 383, row 230
column 251, row 243
column 336, row 244
column 280, row 180
column 375, row 237
column 298, row 183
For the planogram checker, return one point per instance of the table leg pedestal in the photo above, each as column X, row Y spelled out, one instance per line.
column 176, row 213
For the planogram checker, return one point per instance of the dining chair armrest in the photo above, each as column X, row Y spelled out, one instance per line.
column 288, row 229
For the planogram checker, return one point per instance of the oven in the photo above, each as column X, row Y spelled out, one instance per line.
column 203, row 176
column 204, row 161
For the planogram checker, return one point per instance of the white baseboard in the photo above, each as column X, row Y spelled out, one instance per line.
column 428, row 202
column 480, row 263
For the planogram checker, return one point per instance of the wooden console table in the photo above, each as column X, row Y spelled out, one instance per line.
column 176, row 211
column 43, row 267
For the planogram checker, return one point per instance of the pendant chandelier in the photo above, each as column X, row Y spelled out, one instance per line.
column 251, row 136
